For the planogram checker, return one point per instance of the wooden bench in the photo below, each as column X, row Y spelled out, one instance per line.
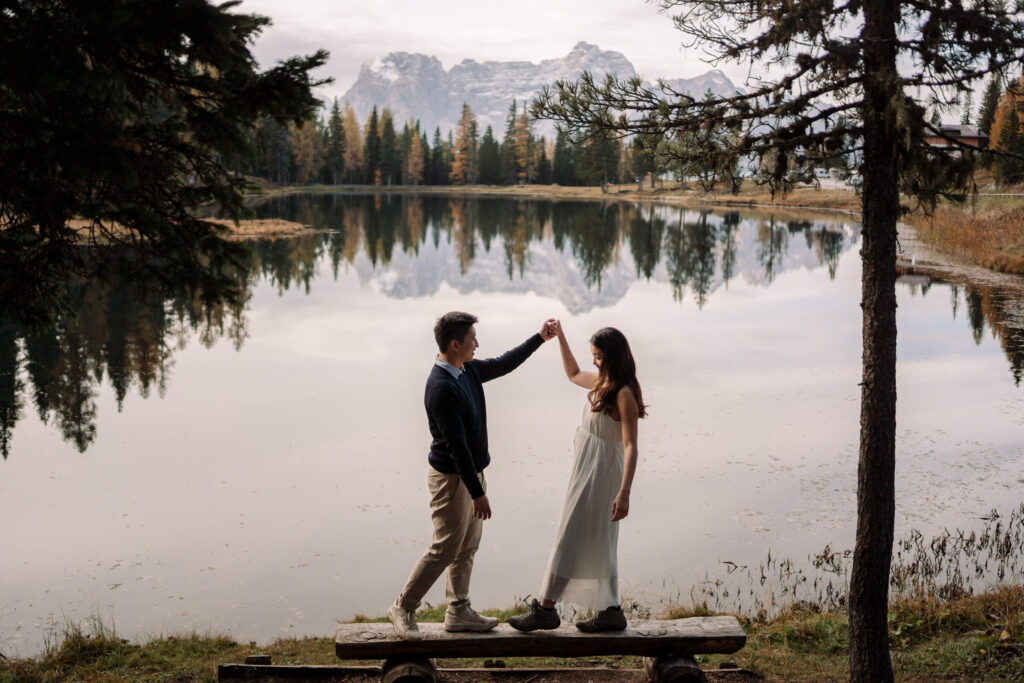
column 667, row 647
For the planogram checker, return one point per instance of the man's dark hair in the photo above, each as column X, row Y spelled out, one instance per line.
column 452, row 325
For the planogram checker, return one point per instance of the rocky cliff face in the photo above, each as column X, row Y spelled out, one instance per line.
column 417, row 86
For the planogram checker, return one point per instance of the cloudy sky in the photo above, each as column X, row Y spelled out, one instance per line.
column 355, row 31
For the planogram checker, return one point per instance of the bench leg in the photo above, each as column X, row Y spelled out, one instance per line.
column 414, row 670
column 682, row 669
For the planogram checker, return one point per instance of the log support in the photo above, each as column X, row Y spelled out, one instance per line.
column 409, row 670
column 681, row 669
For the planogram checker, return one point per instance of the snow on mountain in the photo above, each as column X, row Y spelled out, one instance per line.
column 417, row 86
column 714, row 80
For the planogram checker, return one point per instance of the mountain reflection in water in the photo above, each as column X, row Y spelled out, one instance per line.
column 586, row 254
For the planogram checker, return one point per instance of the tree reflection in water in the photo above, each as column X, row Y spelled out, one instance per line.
column 999, row 311
column 126, row 334
column 115, row 328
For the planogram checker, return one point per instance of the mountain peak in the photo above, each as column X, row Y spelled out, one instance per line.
column 415, row 85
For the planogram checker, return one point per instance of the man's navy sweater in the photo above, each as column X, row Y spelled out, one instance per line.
column 457, row 413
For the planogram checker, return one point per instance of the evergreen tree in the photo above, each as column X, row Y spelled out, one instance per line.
column 542, row 163
column 509, row 167
column 563, row 166
column 129, row 114
column 642, row 156
column 490, row 159
column 965, row 117
column 448, row 156
column 597, row 159
column 427, row 159
column 371, row 150
column 335, row 161
column 989, row 102
column 438, row 170
column 866, row 61
column 410, row 130
column 390, row 162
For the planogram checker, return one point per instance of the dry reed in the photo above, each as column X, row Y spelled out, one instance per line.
column 991, row 236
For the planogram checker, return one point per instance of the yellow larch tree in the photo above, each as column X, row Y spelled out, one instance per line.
column 464, row 166
column 524, row 143
column 304, row 140
column 353, row 144
column 415, row 162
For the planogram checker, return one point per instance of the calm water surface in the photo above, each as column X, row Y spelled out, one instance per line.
column 261, row 471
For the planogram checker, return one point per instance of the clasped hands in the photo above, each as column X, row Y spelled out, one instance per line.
column 550, row 328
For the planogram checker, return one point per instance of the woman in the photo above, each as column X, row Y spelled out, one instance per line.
column 583, row 568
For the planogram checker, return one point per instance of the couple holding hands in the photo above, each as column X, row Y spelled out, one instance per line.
column 583, row 568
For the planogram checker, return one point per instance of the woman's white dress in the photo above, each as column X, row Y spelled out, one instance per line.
column 583, row 568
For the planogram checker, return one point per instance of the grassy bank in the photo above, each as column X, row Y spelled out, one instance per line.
column 977, row 638
column 262, row 227
column 989, row 234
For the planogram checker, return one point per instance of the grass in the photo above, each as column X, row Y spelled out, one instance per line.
column 971, row 638
column 262, row 227
column 989, row 234
column 942, row 625
column 974, row 638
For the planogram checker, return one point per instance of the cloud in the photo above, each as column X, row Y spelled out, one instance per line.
column 355, row 31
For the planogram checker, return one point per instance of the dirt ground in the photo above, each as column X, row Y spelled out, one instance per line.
column 578, row 676
column 509, row 675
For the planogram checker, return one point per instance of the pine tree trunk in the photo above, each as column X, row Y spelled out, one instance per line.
column 869, row 581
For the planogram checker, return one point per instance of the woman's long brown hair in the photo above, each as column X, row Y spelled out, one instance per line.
column 618, row 369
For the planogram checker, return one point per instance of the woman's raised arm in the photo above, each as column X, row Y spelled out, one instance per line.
column 587, row 380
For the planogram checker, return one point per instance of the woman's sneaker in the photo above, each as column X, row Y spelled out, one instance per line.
column 611, row 619
column 537, row 618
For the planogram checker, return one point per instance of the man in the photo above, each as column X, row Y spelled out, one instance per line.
column 457, row 416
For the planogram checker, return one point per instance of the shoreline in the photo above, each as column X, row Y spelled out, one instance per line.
column 243, row 229
column 931, row 638
column 836, row 201
column 988, row 232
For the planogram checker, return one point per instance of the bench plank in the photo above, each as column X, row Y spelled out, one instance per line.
column 695, row 635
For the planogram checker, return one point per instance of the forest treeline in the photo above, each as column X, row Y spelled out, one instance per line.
column 339, row 150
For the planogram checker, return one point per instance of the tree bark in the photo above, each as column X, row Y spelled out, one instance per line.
column 869, row 581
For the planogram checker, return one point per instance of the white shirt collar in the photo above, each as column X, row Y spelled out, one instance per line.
column 452, row 370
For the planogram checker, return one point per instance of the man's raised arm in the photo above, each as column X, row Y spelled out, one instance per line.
column 492, row 368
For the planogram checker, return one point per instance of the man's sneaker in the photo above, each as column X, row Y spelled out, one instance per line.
column 611, row 619
column 465, row 618
column 404, row 622
column 537, row 618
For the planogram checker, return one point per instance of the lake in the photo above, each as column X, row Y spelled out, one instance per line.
column 261, row 470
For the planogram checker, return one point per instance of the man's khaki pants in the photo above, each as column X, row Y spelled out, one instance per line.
column 456, row 539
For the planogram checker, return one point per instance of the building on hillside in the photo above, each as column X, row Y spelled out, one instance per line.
column 968, row 135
